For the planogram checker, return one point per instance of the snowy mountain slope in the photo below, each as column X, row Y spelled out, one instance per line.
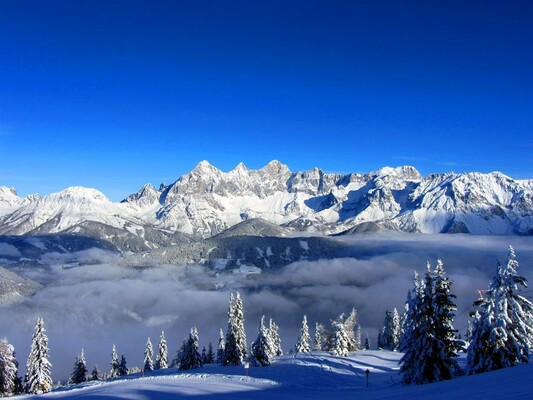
column 250, row 254
column 207, row 201
column 84, row 212
column 311, row 376
column 13, row 287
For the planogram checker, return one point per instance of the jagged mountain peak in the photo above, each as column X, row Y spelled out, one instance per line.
column 204, row 167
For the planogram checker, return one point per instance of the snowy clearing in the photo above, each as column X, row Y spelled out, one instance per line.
column 305, row 376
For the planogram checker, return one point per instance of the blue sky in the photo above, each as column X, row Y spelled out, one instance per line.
column 115, row 94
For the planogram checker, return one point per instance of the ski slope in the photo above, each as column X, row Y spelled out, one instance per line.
column 305, row 376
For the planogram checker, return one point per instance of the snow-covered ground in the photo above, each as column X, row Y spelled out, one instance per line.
column 306, row 376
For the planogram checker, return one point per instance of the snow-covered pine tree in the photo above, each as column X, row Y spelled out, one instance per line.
column 161, row 360
column 204, row 355
column 275, row 339
column 318, row 341
column 79, row 373
column 350, row 327
column 340, row 339
column 502, row 333
column 426, row 356
column 191, row 357
column 444, row 313
column 303, row 344
column 210, row 354
column 8, row 369
column 239, row 314
column 38, row 376
column 115, row 364
column 367, row 343
column 95, row 374
column 235, row 345
column 179, row 355
column 357, row 338
column 122, row 367
column 389, row 338
column 221, row 346
column 148, row 356
column 260, row 354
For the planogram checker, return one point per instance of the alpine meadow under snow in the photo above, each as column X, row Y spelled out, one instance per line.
column 318, row 269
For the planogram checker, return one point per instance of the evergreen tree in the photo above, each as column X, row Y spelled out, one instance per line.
column 367, row 343
column 179, row 354
column 95, row 374
column 79, row 373
column 261, row 350
column 341, row 340
column 38, row 376
column 161, row 360
column 275, row 339
column 9, row 379
column 122, row 367
column 235, row 345
column 390, row 334
column 469, row 330
column 210, row 354
column 148, row 357
column 427, row 357
column 318, row 341
column 191, row 357
column 303, row 344
column 503, row 331
column 221, row 346
column 204, row 355
column 357, row 338
column 350, row 328
column 115, row 364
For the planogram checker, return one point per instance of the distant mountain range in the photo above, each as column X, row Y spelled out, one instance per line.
column 207, row 202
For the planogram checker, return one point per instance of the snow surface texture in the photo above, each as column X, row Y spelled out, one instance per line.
column 207, row 201
column 310, row 376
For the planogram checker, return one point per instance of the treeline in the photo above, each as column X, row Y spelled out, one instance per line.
column 501, row 335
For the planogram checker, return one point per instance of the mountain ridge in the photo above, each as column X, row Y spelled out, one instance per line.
column 207, row 201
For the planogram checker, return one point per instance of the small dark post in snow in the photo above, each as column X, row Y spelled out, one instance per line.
column 367, row 372
column 246, row 367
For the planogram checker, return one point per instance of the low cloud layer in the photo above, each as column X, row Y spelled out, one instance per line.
column 105, row 303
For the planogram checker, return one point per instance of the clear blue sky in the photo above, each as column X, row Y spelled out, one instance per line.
column 115, row 94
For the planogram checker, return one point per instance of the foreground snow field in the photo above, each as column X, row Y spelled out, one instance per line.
column 306, row 376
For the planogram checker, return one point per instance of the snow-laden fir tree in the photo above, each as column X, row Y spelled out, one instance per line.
column 429, row 354
column 503, row 331
column 122, row 367
column 95, row 374
column 210, row 358
column 148, row 357
column 79, row 372
column 340, row 338
column 39, row 369
column 221, row 346
column 274, row 338
column 318, row 341
column 304, row 340
column 115, row 363
column 179, row 355
column 357, row 338
column 260, row 352
column 191, row 358
column 204, row 355
column 390, row 333
column 235, row 345
column 8, row 369
column 350, row 327
column 161, row 360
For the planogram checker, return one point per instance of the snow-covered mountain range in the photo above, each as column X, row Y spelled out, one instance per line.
column 207, row 201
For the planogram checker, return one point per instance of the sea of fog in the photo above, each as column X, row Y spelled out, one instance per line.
column 104, row 301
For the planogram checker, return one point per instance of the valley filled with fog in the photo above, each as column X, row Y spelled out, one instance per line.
column 95, row 298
